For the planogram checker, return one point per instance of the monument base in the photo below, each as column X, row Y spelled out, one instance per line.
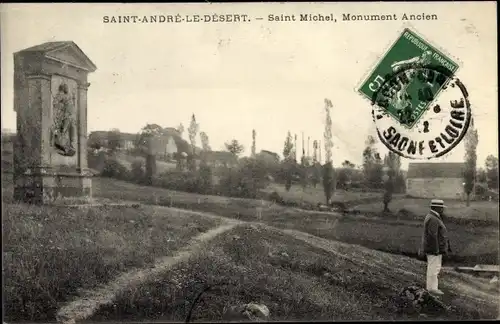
column 47, row 187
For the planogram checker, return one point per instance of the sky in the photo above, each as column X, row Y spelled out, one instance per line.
column 269, row 76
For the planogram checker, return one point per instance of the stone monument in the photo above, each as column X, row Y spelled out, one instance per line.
column 50, row 100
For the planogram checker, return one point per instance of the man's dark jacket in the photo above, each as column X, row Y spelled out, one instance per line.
column 435, row 237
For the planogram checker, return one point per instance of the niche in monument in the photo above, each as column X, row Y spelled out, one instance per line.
column 50, row 99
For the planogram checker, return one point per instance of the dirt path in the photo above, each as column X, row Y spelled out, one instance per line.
column 85, row 306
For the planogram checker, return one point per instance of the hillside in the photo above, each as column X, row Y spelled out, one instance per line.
column 280, row 247
column 297, row 278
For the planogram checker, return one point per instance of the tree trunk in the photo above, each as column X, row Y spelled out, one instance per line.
column 467, row 201
column 386, row 206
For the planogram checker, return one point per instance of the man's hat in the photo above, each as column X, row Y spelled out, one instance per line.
column 437, row 203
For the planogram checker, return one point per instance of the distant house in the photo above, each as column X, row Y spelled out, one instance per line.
column 435, row 180
column 127, row 141
column 219, row 158
column 164, row 147
column 167, row 146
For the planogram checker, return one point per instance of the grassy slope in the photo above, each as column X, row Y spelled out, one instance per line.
column 295, row 280
column 50, row 253
column 471, row 243
column 396, row 235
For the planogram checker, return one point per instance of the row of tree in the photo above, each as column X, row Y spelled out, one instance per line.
column 375, row 173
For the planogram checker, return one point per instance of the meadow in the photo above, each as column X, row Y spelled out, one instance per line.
column 294, row 279
column 473, row 241
column 85, row 247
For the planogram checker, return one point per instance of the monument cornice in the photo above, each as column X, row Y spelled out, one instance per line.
column 39, row 76
column 83, row 86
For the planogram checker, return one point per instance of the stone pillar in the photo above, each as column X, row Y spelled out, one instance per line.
column 82, row 116
column 50, row 98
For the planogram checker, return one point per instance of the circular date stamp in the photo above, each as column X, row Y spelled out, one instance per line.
column 411, row 132
column 420, row 108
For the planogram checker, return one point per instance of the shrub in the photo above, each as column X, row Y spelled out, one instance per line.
column 176, row 180
column 138, row 171
column 97, row 160
column 114, row 169
column 205, row 183
column 199, row 181
column 245, row 181
column 150, row 168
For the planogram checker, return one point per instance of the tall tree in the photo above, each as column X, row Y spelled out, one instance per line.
column 308, row 143
column 143, row 138
column 234, row 147
column 491, row 168
column 471, row 141
column 315, row 151
column 304, row 166
column 295, row 147
column 288, row 161
column 319, row 152
column 327, row 135
column 254, row 135
column 303, row 148
column 180, row 129
column 288, row 147
column 372, row 164
column 143, row 144
column 328, row 171
column 193, row 129
column 204, row 142
column 391, row 165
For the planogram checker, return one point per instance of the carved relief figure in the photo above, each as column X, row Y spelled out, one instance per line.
column 64, row 125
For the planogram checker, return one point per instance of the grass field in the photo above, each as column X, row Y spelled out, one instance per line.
column 472, row 243
column 293, row 279
column 51, row 253
column 82, row 248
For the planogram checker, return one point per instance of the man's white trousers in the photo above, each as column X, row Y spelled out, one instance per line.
column 433, row 269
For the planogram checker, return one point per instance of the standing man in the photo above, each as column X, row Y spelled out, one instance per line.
column 435, row 244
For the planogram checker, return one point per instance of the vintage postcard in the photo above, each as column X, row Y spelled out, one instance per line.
column 215, row 162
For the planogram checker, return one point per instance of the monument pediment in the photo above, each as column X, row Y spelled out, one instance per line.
column 66, row 52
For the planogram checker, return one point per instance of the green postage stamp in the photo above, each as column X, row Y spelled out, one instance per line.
column 410, row 79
